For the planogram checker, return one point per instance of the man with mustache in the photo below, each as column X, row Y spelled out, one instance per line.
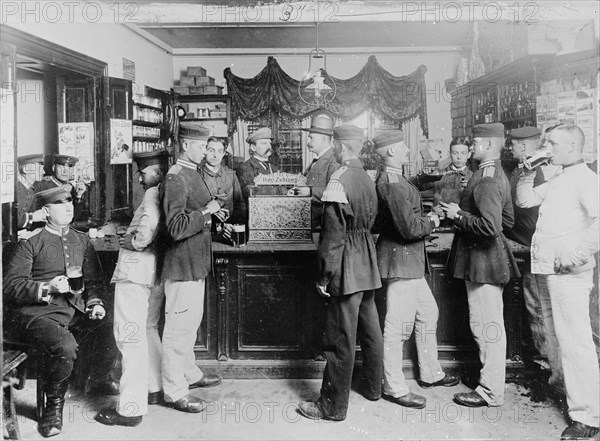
column 258, row 164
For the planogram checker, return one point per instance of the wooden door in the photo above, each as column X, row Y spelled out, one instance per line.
column 9, row 142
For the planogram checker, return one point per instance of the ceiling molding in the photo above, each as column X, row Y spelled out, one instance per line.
column 227, row 52
column 145, row 35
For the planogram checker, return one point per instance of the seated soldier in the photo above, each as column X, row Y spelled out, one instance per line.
column 224, row 187
column 40, row 307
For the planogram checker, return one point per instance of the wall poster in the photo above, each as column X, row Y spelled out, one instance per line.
column 77, row 139
column 121, row 141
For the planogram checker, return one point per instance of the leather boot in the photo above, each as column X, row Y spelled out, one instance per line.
column 52, row 415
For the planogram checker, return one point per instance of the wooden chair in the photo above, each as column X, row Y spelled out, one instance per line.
column 14, row 371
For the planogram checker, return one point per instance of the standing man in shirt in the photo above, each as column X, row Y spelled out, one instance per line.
column 347, row 277
column 323, row 164
column 562, row 258
column 40, row 308
column 258, row 164
column 188, row 207
column 525, row 142
column 31, row 169
column 480, row 255
column 402, row 263
column 139, row 295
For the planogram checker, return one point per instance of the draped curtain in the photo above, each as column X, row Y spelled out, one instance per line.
column 395, row 100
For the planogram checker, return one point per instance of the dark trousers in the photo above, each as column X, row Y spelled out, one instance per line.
column 59, row 342
column 345, row 316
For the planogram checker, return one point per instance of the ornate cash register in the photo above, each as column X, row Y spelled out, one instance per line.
column 279, row 209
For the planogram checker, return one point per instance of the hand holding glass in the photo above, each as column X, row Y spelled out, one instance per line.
column 75, row 276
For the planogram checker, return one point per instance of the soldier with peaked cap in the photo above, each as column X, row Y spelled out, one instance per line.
column 347, row 277
column 31, row 169
column 188, row 207
column 62, row 174
column 481, row 256
column 258, row 164
column 525, row 142
column 40, row 309
column 402, row 264
column 139, row 295
column 323, row 164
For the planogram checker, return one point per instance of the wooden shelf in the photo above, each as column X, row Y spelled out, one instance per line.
column 139, row 122
column 204, row 119
column 147, row 106
column 146, row 138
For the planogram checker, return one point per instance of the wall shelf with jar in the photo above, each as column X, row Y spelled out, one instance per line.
column 148, row 116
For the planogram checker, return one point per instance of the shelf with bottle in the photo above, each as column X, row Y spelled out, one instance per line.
column 146, row 132
column 149, row 145
column 486, row 107
column 141, row 100
column 517, row 101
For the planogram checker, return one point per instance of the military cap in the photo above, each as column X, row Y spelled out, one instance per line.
column 36, row 158
column 348, row 133
column 525, row 132
column 62, row 193
column 193, row 130
column 262, row 133
column 388, row 137
column 491, row 130
column 67, row 160
column 145, row 159
column 321, row 122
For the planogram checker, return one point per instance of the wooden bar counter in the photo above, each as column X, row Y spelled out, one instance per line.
column 263, row 318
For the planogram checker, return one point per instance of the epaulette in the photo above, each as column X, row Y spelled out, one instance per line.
column 489, row 172
column 393, row 178
column 46, row 178
column 334, row 192
column 175, row 169
column 26, row 235
column 339, row 172
column 78, row 231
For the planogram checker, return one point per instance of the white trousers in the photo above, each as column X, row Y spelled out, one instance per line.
column 184, row 308
column 570, row 299
column 410, row 306
column 137, row 312
column 486, row 320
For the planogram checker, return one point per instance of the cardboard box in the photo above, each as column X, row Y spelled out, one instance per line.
column 202, row 81
column 196, row 71
column 212, row 90
column 187, row 81
column 197, row 90
column 181, row 90
column 218, row 114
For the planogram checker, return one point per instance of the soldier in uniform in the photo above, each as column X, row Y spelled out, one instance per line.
column 323, row 164
column 31, row 168
column 39, row 307
column 258, row 164
column 562, row 259
column 402, row 263
column 223, row 186
column 525, row 142
column 347, row 277
column 480, row 255
column 139, row 295
column 62, row 174
column 188, row 208
column 455, row 175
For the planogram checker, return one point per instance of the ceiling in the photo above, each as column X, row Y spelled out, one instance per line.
column 303, row 35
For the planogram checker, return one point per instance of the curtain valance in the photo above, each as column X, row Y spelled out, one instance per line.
column 393, row 99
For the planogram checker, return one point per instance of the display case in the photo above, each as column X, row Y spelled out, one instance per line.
column 148, row 116
column 212, row 110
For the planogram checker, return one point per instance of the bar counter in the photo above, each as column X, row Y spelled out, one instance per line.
column 263, row 317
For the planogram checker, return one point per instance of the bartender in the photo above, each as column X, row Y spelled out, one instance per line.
column 260, row 146
column 456, row 175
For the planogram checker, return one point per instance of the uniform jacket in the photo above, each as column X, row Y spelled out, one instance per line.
column 25, row 204
column 317, row 176
column 225, row 187
column 183, row 195
column 250, row 169
column 140, row 266
column 346, row 253
column 525, row 218
column 480, row 252
column 402, row 227
column 39, row 259
column 449, row 188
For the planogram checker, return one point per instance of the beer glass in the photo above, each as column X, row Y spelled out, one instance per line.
column 238, row 235
column 540, row 157
column 75, row 276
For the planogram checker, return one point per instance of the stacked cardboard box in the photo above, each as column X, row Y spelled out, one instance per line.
column 196, row 82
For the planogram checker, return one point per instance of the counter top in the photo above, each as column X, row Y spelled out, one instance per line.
column 436, row 243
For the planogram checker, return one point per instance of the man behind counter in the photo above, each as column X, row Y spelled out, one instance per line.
column 455, row 175
column 31, row 169
column 260, row 144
